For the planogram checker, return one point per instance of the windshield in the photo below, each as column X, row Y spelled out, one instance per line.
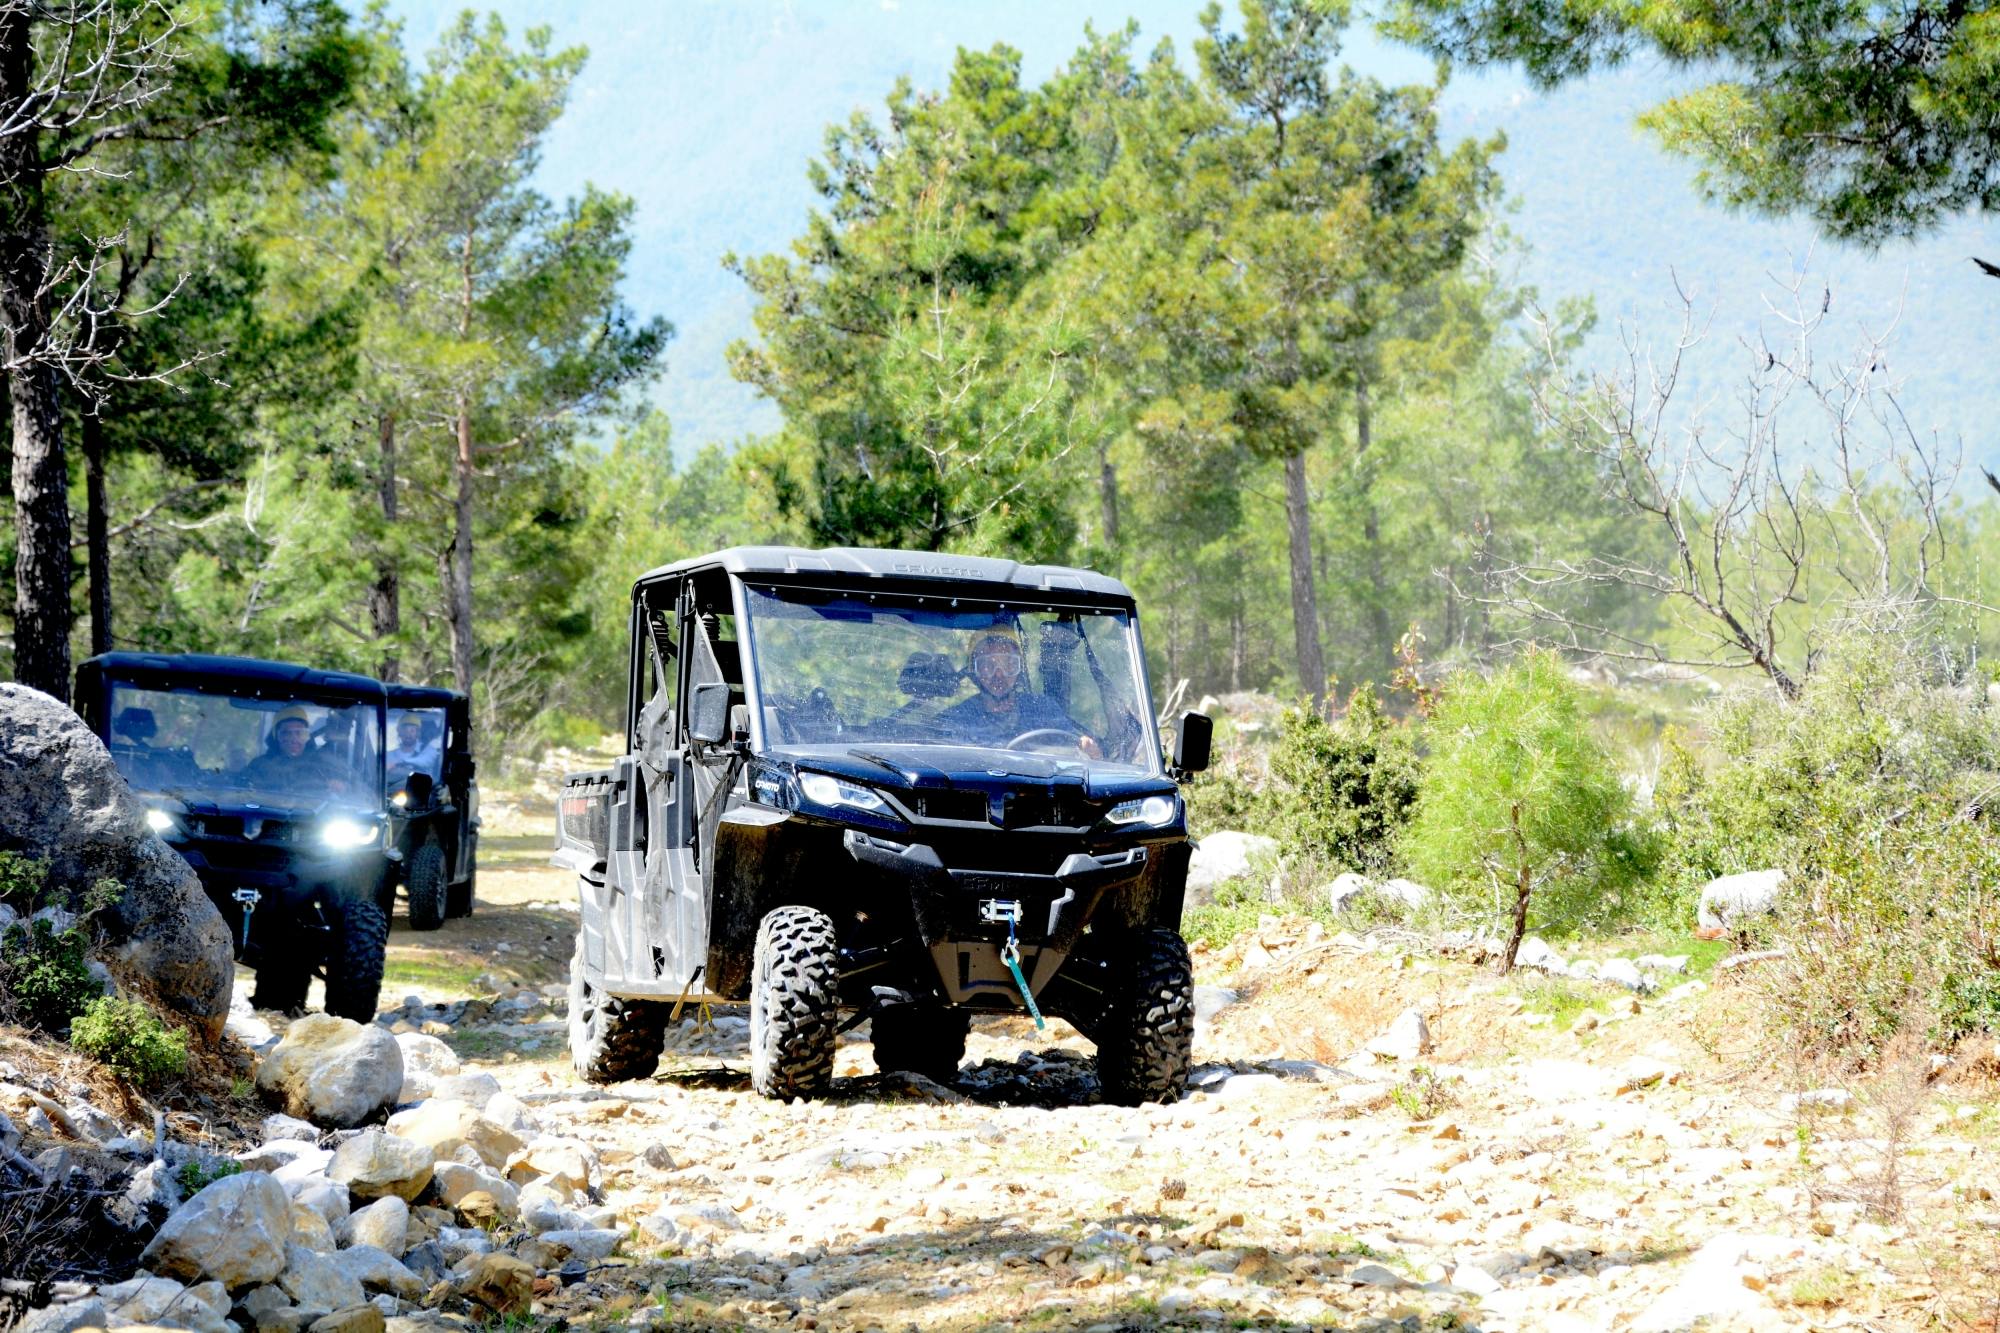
column 836, row 668
column 416, row 744
column 228, row 748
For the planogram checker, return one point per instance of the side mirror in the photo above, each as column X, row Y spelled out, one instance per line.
column 708, row 712
column 1192, row 740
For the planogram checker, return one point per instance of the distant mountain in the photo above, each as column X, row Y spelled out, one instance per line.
column 706, row 112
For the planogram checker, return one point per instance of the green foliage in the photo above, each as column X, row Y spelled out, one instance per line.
column 1879, row 121
column 197, row 1174
column 1424, row 1093
column 1234, row 909
column 1519, row 800
column 1870, row 792
column 131, row 1039
column 1344, row 790
column 45, row 977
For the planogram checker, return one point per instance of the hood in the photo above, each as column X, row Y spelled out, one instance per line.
column 963, row 767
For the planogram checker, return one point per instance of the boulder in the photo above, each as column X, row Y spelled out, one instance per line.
column 1407, row 1038
column 569, row 1162
column 1405, row 893
column 1221, row 857
column 499, row 1282
column 323, row 1196
column 444, row 1127
column 377, row 1270
column 67, row 1317
column 1347, row 889
column 235, row 1231
column 311, row 1229
column 362, row 1318
column 1729, row 902
column 332, row 1071
column 374, row 1165
column 62, row 800
column 453, row 1181
column 475, row 1090
column 383, row 1225
column 425, row 1061
column 316, row 1282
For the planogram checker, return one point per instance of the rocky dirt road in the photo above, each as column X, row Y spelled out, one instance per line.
column 1632, row 1166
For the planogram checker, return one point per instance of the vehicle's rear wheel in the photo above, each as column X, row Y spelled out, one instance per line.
column 1145, row 1042
column 794, row 1004
column 354, row 958
column 611, row 1039
column 425, row 874
column 917, row 1039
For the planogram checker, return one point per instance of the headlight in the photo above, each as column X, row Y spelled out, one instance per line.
column 1150, row 812
column 823, row 790
column 400, row 800
column 159, row 821
column 345, row 834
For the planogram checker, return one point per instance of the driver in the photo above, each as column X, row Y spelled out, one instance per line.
column 287, row 765
column 412, row 753
column 1004, row 708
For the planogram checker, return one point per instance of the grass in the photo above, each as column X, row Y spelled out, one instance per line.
column 1822, row 1286
column 436, row 973
column 1562, row 1000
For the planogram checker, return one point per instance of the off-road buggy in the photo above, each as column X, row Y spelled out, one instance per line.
column 267, row 777
column 433, row 804
column 889, row 786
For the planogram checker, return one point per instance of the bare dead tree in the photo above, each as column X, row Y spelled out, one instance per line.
column 1806, row 486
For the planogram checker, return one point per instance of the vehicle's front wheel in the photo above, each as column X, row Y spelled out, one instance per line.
column 1146, row 1039
column 426, row 882
column 354, row 957
column 915, row 1039
column 611, row 1039
column 794, row 1004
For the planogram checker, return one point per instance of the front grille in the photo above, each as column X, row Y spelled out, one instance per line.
column 226, row 856
column 965, row 806
column 1061, row 808
column 268, row 832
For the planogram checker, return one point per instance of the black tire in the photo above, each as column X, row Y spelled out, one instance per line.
column 611, row 1039
column 281, row 986
column 916, row 1039
column 354, row 958
column 458, row 897
column 794, row 1004
column 1145, row 1045
column 425, row 874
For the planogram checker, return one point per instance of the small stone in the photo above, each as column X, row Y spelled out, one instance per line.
column 362, row 1318
column 657, row 1157
column 1374, row 1275
column 499, row 1282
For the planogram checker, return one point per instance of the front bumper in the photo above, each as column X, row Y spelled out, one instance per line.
column 961, row 913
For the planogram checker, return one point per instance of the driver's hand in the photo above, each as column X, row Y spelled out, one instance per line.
column 1090, row 747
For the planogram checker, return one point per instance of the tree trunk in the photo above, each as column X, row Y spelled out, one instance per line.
column 1305, row 599
column 385, row 599
column 41, row 474
column 461, row 553
column 1107, row 493
column 97, row 532
column 1524, row 884
column 1371, row 527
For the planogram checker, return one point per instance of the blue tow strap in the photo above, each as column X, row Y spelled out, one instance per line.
column 1010, row 954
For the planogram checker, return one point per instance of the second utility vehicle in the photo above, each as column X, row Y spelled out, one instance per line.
column 433, row 804
column 267, row 778
column 884, row 785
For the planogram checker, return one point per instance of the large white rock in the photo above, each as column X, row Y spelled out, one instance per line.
column 375, row 1164
column 316, row 1282
column 332, row 1071
column 1729, row 902
column 377, row 1270
column 454, row 1180
column 425, row 1061
column 1535, row 952
column 1407, row 1038
column 383, row 1224
column 1348, row 888
column 569, row 1161
column 235, row 1231
column 1221, row 857
column 326, row 1197
column 444, row 1127
column 475, row 1090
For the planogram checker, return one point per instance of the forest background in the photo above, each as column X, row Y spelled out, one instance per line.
column 347, row 381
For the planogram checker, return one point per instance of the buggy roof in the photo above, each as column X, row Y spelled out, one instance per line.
column 861, row 565
column 423, row 696
column 236, row 674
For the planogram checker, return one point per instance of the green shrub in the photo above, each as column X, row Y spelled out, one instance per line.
column 129, row 1038
column 1521, row 821
column 1222, row 798
column 197, row 1174
column 45, row 973
column 1343, row 790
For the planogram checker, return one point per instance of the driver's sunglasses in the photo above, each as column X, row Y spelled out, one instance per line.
column 997, row 652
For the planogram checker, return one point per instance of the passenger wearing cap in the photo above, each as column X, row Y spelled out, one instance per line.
column 289, row 764
column 412, row 754
column 1005, row 708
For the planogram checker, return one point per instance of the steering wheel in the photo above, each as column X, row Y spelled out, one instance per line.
column 1044, row 734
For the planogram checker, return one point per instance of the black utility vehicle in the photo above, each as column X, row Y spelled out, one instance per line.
column 433, row 803
column 885, row 785
column 267, row 778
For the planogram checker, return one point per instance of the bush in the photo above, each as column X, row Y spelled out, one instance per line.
column 1871, row 791
column 129, row 1038
column 45, row 972
column 1344, row 790
column 1520, row 817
